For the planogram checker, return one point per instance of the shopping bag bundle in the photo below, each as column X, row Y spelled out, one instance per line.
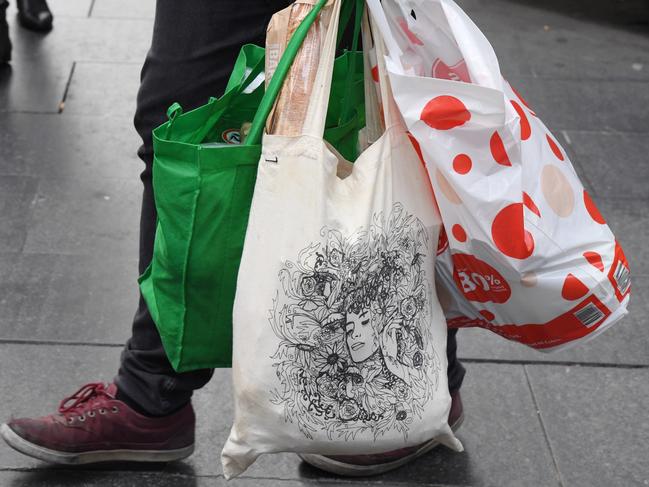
column 203, row 178
column 526, row 253
column 339, row 338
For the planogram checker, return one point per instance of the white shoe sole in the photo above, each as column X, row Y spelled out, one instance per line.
column 351, row 470
column 67, row 458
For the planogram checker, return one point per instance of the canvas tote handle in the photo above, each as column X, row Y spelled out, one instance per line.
column 314, row 123
column 391, row 113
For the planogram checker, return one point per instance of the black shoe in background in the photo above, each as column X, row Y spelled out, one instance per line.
column 5, row 43
column 34, row 15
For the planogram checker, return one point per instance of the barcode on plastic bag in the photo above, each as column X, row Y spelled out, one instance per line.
column 622, row 278
column 589, row 315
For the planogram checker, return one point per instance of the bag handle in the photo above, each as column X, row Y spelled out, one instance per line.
column 283, row 67
column 478, row 53
column 391, row 113
column 314, row 122
column 234, row 88
column 351, row 71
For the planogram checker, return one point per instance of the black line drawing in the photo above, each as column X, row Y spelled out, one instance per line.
column 353, row 318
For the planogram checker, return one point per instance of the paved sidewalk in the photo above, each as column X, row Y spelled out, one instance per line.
column 69, row 209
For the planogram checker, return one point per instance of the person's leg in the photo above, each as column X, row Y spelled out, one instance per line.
column 456, row 370
column 192, row 54
column 5, row 42
column 193, row 51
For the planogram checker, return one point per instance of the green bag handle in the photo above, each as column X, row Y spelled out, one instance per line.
column 241, row 86
column 344, row 114
column 277, row 81
column 233, row 88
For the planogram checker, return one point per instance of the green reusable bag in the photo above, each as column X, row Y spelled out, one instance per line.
column 203, row 189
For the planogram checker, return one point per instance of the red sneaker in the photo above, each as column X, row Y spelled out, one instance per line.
column 366, row 465
column 92, row 426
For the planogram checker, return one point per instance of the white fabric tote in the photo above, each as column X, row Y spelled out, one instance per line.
column 339, row 339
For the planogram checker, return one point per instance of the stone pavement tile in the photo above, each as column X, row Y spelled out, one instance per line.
column 67, row 298
column 516, row 449
column 97, row 217
column 59, row 8
column 598, row 105
column 626, row 342
column 124, row 9
column 17, row 194
column 36, row 378
column 69, row 147
column 614, row 163
column 586, row 53
column 103, row 89
column 33, row 86
column 596, row 420
column 498, row 404
column 88, row 478
column 84, row 39
column 568, row 48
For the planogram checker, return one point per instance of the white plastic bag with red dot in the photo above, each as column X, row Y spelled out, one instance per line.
column 528, row 255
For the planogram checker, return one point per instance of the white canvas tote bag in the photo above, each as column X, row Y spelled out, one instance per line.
column 528, row 255
column 339, row 339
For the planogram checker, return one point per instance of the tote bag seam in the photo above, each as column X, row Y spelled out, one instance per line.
column 197, row 192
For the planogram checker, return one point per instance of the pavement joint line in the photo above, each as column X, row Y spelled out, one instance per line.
column 603, row 365
column 151, row 473
column 563, row 363
column 30, row 112
column 539, row 415
column 67, row 87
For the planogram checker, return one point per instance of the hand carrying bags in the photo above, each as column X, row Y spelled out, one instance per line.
column 203, row 179
column 528, row 255
column 339, row 339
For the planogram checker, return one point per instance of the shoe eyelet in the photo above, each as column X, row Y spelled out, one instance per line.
column 82, row 418
column 70, row 420
column 115, row 409
column 102, row 411
column 91, row 414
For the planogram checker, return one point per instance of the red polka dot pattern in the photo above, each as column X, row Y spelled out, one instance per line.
column 444, row 113
column 595, row 260
column 509, row 234
column 498, row 150
column 522, row 100
column 529, row 203
column 488, row 315
column 526, row 129
column 573, row 288
column 417, row 147
column 462, row 164
column 442, row 241
column 411, row 36
column 592, row 209
column 555, row 148
column 459, row 233
column 375, row 74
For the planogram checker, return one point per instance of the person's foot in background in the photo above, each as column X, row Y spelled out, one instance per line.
column 5, row 43
column 34, row 15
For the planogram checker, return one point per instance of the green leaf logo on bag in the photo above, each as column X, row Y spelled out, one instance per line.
column 353, row 317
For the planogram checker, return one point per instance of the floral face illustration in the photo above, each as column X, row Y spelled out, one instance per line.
column 353, row 320
column 362, row 340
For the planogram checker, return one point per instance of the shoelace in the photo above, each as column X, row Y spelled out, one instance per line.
column 85, row 396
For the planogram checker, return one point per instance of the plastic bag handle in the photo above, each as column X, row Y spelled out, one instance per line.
column 277, row 81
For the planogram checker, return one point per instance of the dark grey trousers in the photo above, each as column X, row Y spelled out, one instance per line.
column 192, row 53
